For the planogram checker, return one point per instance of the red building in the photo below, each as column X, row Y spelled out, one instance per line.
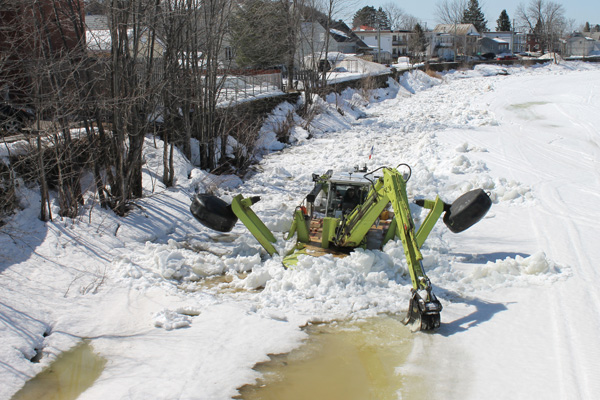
column 532, row 43
column 36, row 32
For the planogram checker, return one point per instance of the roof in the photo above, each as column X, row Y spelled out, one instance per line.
column 368, row 29
column 455, row 29
column 100, row 40
column 339, row 33
column 578, row 36
column 342, row 33
column 96, row 22
column 497, row 43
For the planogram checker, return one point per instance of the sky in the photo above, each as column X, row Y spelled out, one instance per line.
column 579, row 10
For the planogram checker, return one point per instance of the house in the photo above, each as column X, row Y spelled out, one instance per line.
column 532, row 45
column 313, row 40
column 347, row 41
column 580, row 45
column 97, row 34
column 99, row 40
column 447, row 41
column 376, row 39
column 400, row 40
column 383, row 42
column 519, row 43
column 492, row 45
column 503, row 42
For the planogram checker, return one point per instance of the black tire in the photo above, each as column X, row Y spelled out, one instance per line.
column 467, row 210
column 213, row 212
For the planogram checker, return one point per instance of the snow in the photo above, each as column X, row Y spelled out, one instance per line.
column 339, row 33
column 180, row 311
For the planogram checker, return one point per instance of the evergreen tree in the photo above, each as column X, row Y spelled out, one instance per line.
column 364, row 16
column 503, row 22
column 382, row 20
column 586, row 28
column 258, row 34
column 474, row 15
column 538, row 30
column 417, row 42
column 369, row 16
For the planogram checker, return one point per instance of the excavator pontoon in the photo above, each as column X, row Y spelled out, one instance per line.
column 349, row 210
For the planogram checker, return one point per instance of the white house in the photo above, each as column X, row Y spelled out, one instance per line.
column 400, row 39
column 376, row 39
column 380, row 41
column 99, row 40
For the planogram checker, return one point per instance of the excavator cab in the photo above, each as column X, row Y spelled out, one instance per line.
column 344, row 192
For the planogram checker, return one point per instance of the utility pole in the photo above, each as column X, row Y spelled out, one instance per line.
column 454, row 41
column 379, row 42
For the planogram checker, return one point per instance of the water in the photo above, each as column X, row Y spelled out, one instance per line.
column 66, row 378
column 349, row 361
column 526, row 110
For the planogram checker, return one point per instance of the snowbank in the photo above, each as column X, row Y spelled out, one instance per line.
column 181, row 311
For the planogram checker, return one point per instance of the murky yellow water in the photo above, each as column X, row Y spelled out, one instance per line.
column 349, row 361
column 66, row 378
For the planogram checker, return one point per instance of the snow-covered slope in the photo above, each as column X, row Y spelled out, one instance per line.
column 182, row 312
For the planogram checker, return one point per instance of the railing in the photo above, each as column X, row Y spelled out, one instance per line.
column 238, row 88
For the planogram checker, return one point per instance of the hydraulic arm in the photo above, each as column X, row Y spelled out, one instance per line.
column 424, row 310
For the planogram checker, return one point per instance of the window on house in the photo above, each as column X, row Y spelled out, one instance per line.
column 228, row 53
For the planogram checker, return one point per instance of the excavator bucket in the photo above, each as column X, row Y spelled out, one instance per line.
column 423, row 314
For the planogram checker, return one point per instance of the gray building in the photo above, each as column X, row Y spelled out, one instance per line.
column 492, row 45
column 581, row 44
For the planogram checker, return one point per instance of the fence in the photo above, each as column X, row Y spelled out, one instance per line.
column 238, row 87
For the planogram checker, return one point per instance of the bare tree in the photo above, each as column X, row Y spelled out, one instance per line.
column 450, row 11
column 399, row 19
column 291, row 10
column 545, row 20
column 46, row 47
column 396, row 15
column 409, row 22
column 329, row 8
column 214, row 19
column 165, row 60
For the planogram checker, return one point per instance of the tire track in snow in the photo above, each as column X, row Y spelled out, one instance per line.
column 566, row 223
column 568, row 202
column 569, row 337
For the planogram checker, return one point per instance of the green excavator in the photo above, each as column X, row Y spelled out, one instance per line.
column 360, row 209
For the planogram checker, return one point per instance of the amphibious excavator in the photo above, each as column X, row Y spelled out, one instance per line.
column 360, row 209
